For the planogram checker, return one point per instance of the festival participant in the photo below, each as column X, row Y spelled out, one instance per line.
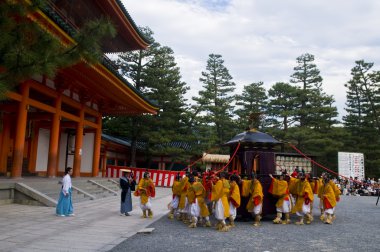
column 146, row 191
column 198, row 208
column 176, row 189
column 207, row 181
column 279, row 188
column 329, row 196
column 305, row 197
column 319, row 194
column 183, row 204
column 255, row 203
column 126, row 184
column 234, row 198
column 245, row 188
column 65, row 202
column 220, row 192
column 295, row 172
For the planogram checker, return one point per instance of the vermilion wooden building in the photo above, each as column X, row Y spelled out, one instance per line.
column 50, row 124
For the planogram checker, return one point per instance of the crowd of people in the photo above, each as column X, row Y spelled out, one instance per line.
column 354, row 186
column 196, row 197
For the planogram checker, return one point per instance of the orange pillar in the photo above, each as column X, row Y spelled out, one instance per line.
column 5, row 143
column 97, row 142
column 52, row 166
column 18, row 150
column 78, row 144
column 104, row 164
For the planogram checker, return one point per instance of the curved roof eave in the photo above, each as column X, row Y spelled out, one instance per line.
column 132, row 22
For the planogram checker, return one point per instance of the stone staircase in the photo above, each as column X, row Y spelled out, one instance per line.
column 84, row 189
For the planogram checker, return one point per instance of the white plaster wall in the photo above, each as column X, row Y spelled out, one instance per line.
column 62, row 154
column 42, row 149
column 87, row 152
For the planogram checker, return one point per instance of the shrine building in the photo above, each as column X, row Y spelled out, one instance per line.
column 47, row 124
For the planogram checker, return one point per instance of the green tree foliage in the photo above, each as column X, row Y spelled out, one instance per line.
column 252, row 100
column 283, row 102
column 155, row 73
column 26, row 49
column 214, row 102
column 362, row 119
column 316, row 108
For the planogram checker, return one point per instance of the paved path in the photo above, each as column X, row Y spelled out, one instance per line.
column 355, row 229
column 97, row 225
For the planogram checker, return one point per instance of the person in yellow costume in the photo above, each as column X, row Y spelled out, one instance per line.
column 305, row 197
column 320, row 184
column 255, row 203
column 219, row 194
column 198, row 208
column 182, row 205
column 279, row 188
column 176, row 189
column 146, row 191
column 234, row 198
column 329, row 196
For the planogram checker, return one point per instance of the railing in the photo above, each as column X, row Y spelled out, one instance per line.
column 160, row 177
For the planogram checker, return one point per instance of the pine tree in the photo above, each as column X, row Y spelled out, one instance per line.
column 316, row 108
column 252, row 100
column 283, row 103
column 155, row 73
column 215, row 101
column 26, row 49
column 362, row 119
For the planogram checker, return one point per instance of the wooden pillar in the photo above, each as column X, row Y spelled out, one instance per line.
column 97, row 143
column 78, row 144
column 104, row 163
column 52, row 166
column 5, row 143
column 18, row 150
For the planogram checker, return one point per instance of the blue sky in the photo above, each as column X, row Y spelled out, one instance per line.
column 261, row 39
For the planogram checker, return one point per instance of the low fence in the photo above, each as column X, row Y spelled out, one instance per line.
column 160, row 177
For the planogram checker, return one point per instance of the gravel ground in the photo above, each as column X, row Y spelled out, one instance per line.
column 357, row 228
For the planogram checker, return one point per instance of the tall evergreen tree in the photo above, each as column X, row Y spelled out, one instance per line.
column 282, row 104
column 215, row 101
column 26, row 49
column 167, row 88
column 155, row 73
column 316, row 108
column 134, row 66
column 362, row 119
column 252, row 100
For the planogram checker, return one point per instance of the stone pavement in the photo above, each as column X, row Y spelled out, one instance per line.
column 97, row 225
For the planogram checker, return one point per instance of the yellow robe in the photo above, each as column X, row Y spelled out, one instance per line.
column 320, row 184
column 279, row 189
column 183, row 187
column 328, row 196
column 145, row 189
column 337, row 191
column 197, row 190
column 221, row 191
column 176, row 188
column 234, row 194
column 292, row 186
column 303, row 190
column 256, row 195
column 246, row 187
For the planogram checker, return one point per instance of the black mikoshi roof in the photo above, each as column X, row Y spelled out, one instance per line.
column 253, row 137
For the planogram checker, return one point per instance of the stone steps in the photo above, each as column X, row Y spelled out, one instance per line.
column 51, row 188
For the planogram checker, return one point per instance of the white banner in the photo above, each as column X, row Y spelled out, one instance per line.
column 351, row 164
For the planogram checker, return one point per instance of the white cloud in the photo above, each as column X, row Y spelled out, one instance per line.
column 261, row 39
